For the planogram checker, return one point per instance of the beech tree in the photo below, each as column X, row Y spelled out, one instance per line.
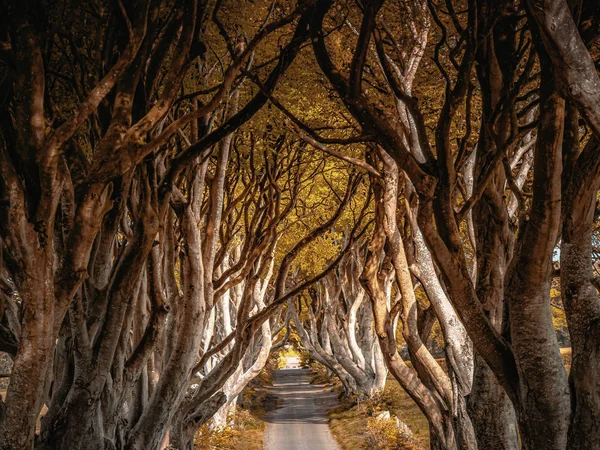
column 499, row 283
column 185, row 180
column 105, row 187
column 339, row 331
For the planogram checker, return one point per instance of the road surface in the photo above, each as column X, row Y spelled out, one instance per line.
column 300, row 422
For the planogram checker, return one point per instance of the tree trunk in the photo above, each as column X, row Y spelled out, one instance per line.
column 34, row 356
column 149, row 432
column 544, row 402
column 580, row 298
column 491, row 411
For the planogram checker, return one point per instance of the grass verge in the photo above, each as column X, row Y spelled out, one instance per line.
column 353, row 426
column 248, row 428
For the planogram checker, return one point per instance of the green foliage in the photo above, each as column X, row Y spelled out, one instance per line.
column 559, row 318
column 290, row 351
column 281, row 362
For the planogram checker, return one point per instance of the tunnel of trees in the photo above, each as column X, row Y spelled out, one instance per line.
column 185, row 181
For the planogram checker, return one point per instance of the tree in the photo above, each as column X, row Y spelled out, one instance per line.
column 339, row 333
column 84, row 210
column 525, row 360
column 159, row 228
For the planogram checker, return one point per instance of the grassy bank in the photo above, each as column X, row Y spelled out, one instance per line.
column 354, row 428
column 247, row 431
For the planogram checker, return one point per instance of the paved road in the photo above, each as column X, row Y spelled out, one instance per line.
column 300, row 422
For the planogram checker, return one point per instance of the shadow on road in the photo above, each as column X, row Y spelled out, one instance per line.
column 301, row 420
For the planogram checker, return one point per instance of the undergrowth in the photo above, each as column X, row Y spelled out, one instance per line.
column 354, row 426
column 248, row 425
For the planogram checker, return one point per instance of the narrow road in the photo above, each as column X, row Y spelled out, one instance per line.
column 300, row 422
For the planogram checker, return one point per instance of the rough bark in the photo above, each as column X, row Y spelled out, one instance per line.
column 580, row 297
column 544, row 404
column 574, row 67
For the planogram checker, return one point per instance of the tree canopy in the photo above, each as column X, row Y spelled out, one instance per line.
column 405, row 187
